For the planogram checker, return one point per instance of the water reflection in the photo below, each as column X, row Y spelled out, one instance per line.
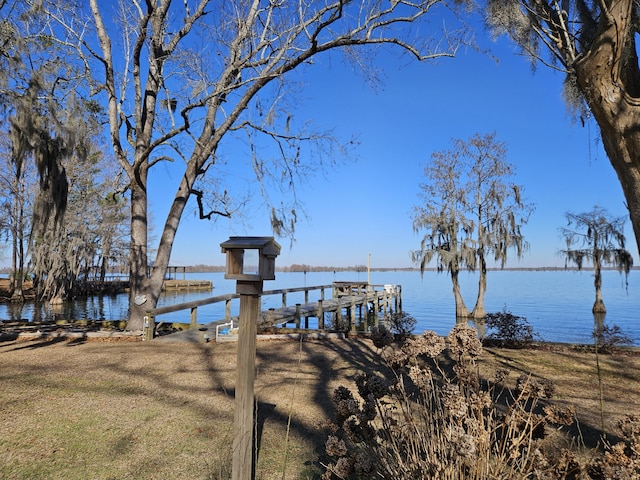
column 481, row 326
column 97, row 307
column 15, row 312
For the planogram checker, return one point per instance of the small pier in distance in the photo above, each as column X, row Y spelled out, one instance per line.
column 172, row 283
column 350, row 307
column 186, row 285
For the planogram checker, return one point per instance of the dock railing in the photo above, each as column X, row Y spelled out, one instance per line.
column 338, row 289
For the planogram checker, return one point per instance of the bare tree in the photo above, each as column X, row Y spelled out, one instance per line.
column 17, row 188
column 471, row 212
column 594, row 44
column 597, row 237
column 113, row 232
column 191, row 74
column 35, row 85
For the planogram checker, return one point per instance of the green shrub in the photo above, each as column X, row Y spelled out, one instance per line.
column 508, row 330
column 381, row 336
column 402, row 324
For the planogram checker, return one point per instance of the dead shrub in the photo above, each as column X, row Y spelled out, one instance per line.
column 434, row 417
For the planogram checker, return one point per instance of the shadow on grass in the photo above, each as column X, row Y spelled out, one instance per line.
column 334, row 362
column 46, row 342
column 155, row 372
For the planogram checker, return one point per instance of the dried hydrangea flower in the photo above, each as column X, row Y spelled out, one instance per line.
column 342, row 468
column 465, row 374
column 481, row 400
column 429, row 344
column 435, row 344
column 466, row 446
column 396, row 358
column 454, row 401
column 363, row 464
column 371, row 384
column 560, row 415
column 463, row 339
column 345, row 404
column 421, row 377
column 534, row 387
column 369, row 410
column 630, row 427
column 335, row 446
column 500, row 375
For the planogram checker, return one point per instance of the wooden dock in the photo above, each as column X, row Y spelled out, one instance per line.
column 347, row 306
column 187, row 285
column 351, row 307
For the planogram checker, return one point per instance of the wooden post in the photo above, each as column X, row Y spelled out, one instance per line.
column 194, row 317
column 352, row 314
column 249, row 286
column 149, row 326
column 387, row 305
column 227, row 309
column 243, row 423
column 297, row 316
column 320, row 315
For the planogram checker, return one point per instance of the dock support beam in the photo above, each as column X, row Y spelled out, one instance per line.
column 352, row 315
column 297, row 318
column 320, row 314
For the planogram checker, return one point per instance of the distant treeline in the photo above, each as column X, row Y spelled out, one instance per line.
column 295, row 268
column 363, row 268
column 354, row 268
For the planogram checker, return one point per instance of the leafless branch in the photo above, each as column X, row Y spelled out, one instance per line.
column 207, row 216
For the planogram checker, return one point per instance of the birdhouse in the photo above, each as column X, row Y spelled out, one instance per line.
column 251, row 259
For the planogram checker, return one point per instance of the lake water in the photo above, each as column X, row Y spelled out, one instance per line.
column 557, row 304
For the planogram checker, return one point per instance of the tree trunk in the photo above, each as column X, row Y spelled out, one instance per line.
column 479, row 311
column 598, row 306
column 103, row 268
column 17, row 293
column 17, row 260
column 609, row 79
column 14, row 241
column 146, row 290
column 461, row 309
column 140, row 298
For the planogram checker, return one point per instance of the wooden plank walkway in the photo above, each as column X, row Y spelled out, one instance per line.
column 350, row 302
column 374, row 301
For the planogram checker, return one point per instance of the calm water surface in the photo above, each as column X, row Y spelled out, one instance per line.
column 556, row 303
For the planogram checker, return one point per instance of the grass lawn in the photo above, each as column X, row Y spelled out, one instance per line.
column 75, row 409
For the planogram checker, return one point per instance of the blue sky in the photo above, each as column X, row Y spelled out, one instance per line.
column 364, row 206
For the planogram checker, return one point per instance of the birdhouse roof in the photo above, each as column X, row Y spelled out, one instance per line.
column 267, row 245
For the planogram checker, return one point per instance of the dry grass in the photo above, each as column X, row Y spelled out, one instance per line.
column 89, row 410
column 575, row 376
